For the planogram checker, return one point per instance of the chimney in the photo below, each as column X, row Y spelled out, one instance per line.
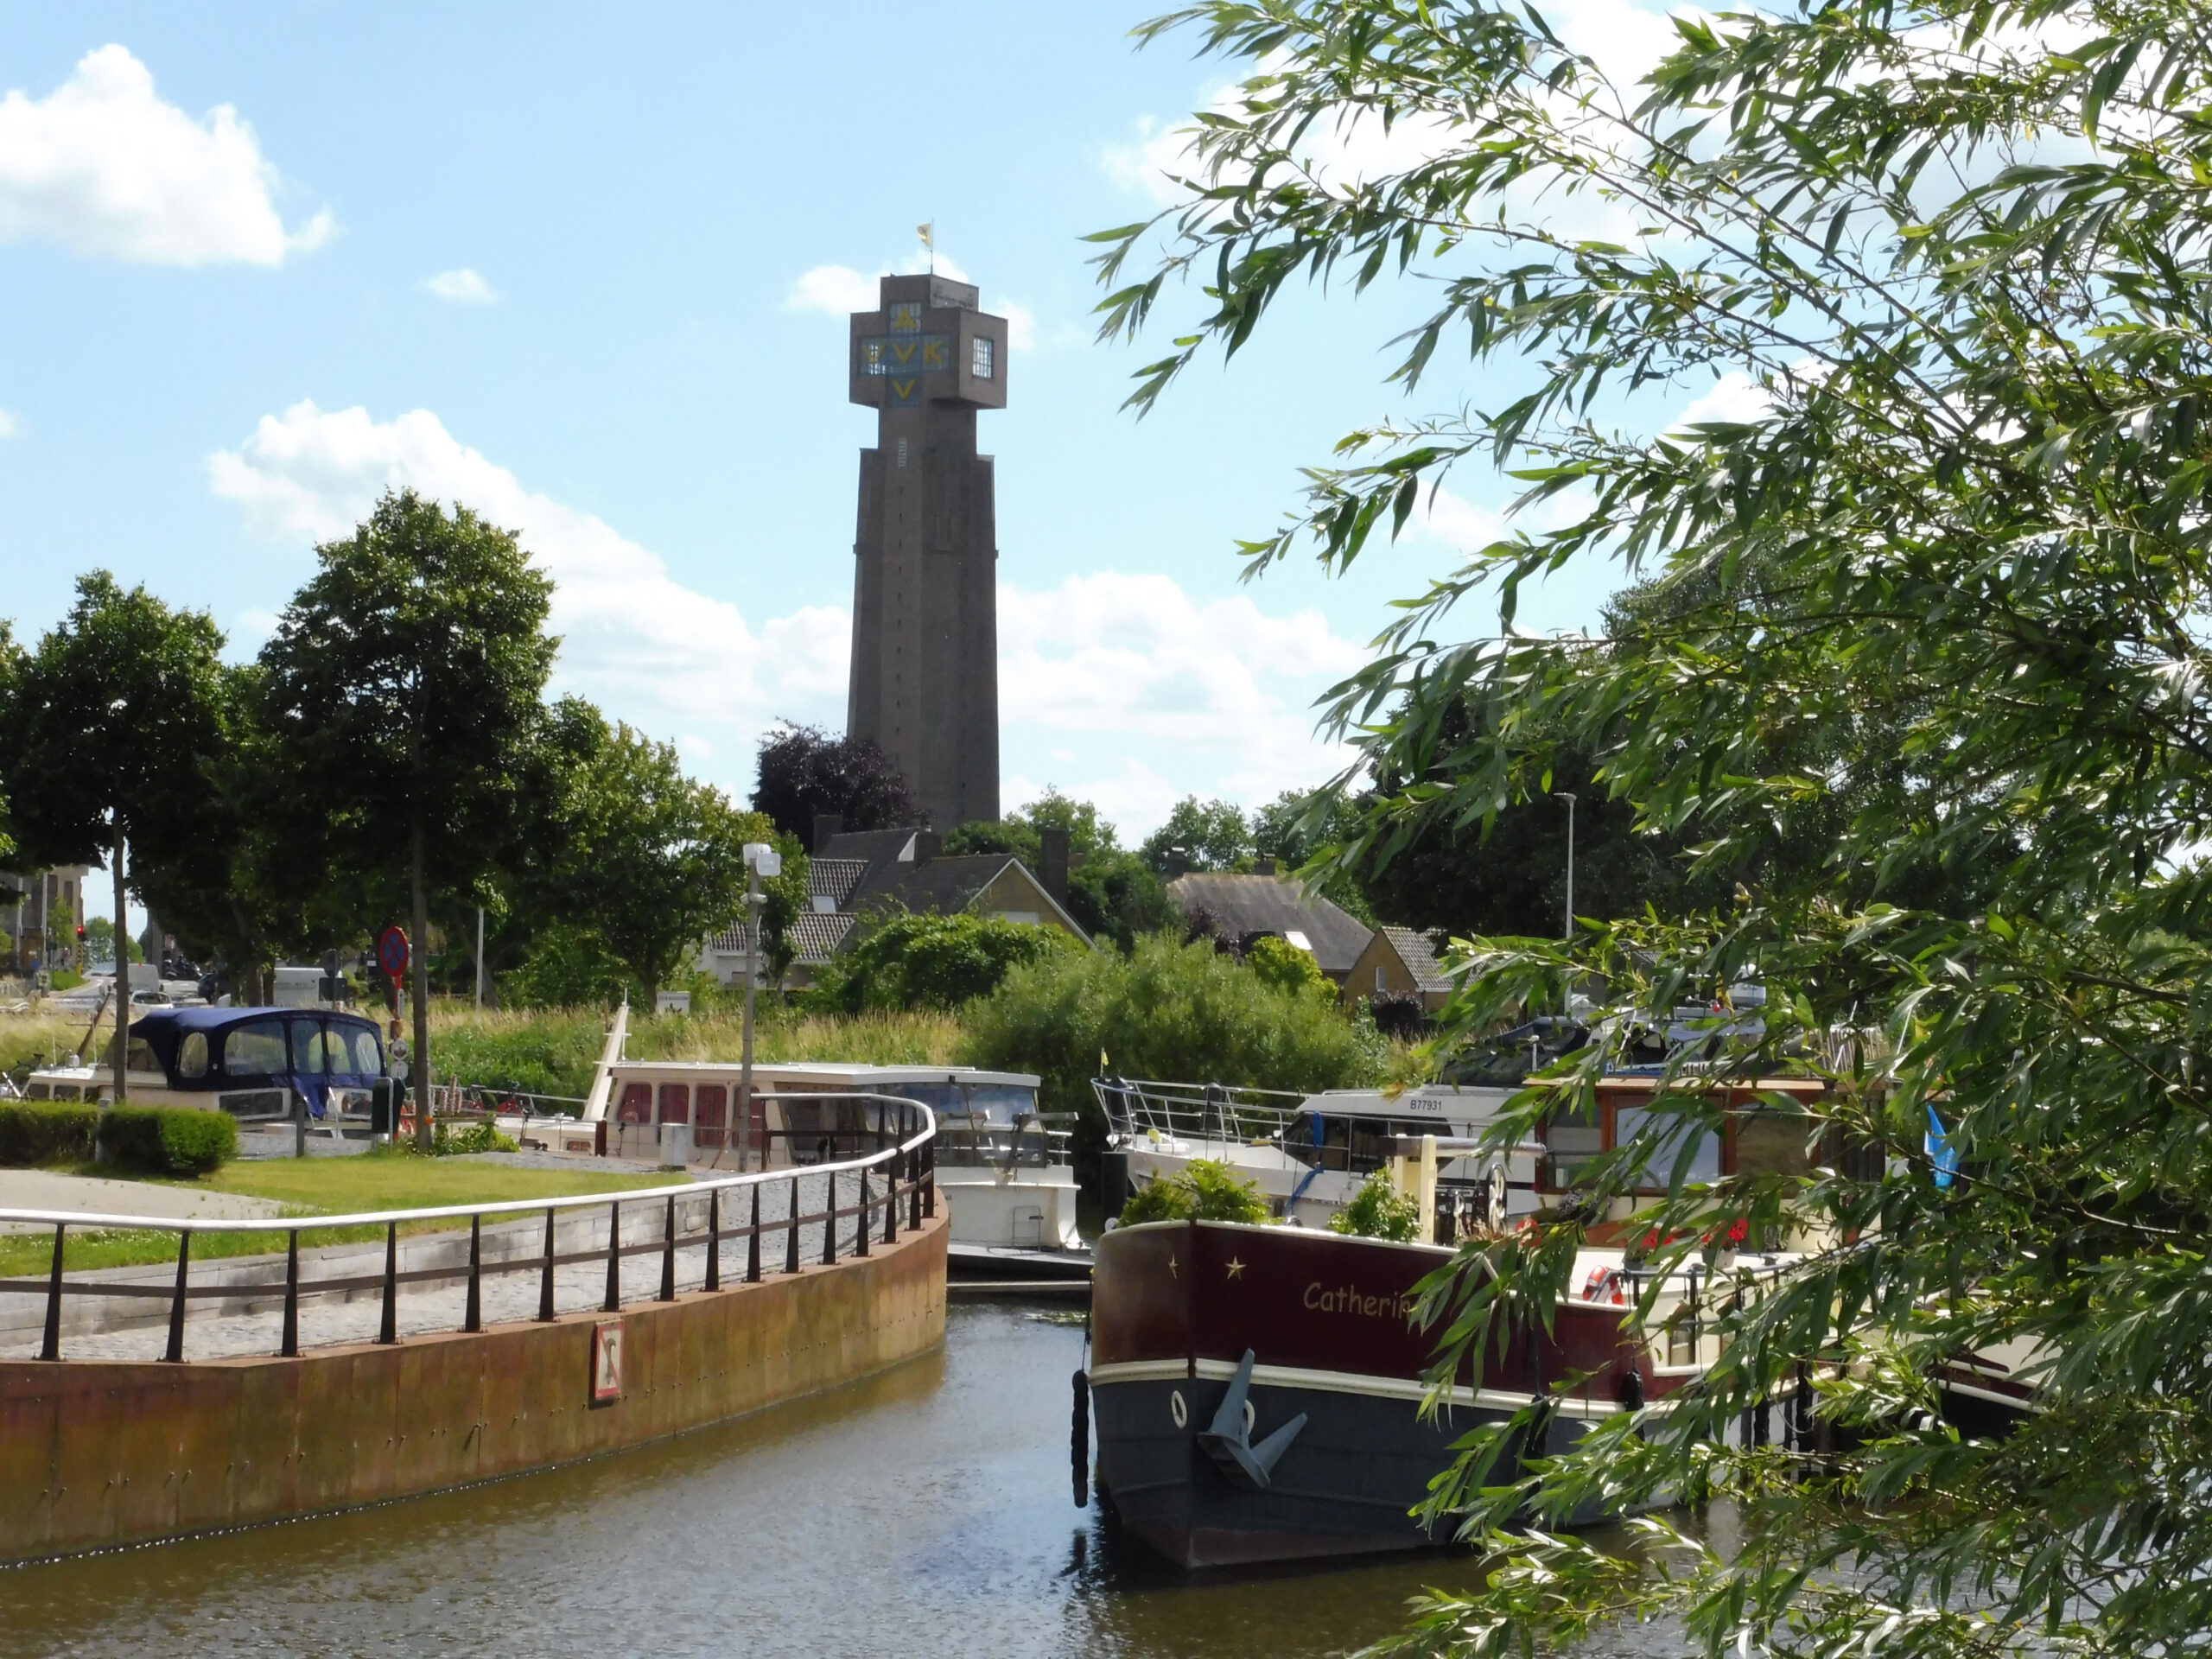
column 1263, row 866
column 927, row 845
column 1052, row 862
column 827, row 827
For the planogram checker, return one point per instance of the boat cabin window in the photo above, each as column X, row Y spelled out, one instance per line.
column 37, row 1091
column 1674, row 1134
column 1001, row 1102
column 255, row 1050
column 675, row 1103
column 140, row 1056
column 637, row 1103
column 368, row 1053
column 1573, row 1138
column 65, row 1091
column 309, row 1058
column 191, row 1056
column 714, row 1105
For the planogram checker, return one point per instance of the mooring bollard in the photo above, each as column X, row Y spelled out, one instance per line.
column 613, row 1304
column 545, row 1275
column 714, row 1239
column 472, row 1320
column 388, row 1332
column 51, row 1347
column 291, row 1347
column 175, row 1354
column 790, row 1254
column 668, row 1253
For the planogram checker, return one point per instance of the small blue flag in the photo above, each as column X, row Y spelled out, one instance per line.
column 1941, row 1152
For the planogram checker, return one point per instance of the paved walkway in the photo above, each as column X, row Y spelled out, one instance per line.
column 254, row 1324
column 46, row 1189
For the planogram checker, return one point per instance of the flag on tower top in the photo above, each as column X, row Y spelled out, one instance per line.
column 929, row 235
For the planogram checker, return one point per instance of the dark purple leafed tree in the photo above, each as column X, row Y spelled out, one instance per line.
column 805, row 771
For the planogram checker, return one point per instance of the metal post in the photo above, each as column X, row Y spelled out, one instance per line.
column 714, row 1239
column 175, row 1354
column 474, row 1319
column 755, row 903
column 614, row 1257
column 291, row 1348
column 51, row 1348
column 480, row 956
column 861, row 1226
column 790, row 1256
column 829, row 1221
column 891, row 1202
column 389, row 1331
column 753, row 1241
column 928, row 1178
column 545, row 1274
column 913, row 1192
column 668, row 1253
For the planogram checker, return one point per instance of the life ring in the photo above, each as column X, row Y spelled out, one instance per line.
column 1177, row 1409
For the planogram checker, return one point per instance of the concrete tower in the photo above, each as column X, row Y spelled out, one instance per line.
column 924, row 673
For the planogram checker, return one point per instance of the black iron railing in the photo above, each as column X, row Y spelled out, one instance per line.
column 882, row 1184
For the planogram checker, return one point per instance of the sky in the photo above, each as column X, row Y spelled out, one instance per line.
column 586, row 269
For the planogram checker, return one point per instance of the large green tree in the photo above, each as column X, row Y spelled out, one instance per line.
column 1954, row 255
column 403, row 690
column 117, row 721
column 650, row 860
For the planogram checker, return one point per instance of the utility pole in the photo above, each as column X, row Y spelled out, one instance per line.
column 1569, row 798
column 760, row 859
column 480, row 958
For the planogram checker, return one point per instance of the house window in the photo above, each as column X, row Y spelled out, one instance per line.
column 1382, row 979
column 981, row 357
column 1021, row 917
column 825, row 904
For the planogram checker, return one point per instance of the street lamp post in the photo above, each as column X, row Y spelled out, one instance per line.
column 1568, row 798
column 760, row 859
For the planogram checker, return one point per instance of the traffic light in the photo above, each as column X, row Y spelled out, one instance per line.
column 80, row 932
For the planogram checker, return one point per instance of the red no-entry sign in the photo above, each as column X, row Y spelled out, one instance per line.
column 391, row 951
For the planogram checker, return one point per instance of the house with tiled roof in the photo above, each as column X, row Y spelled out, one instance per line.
column 855, row 877
column 1242, row 908
column 1402, row 961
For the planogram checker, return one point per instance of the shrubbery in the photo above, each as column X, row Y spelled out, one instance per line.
column 32, row 1133
column 927, row 960
column 162, row 1140
column 1168, row 1010
column 1282, row 964
column 1206, row 1190
column 1378, row 1210
column 170, row 1141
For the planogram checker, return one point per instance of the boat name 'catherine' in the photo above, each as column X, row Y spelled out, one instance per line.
column 1349, row 1298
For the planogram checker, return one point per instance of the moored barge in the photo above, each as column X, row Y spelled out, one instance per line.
column 1257, row 1389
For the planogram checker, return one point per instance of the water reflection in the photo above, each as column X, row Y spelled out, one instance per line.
column 924, row 1512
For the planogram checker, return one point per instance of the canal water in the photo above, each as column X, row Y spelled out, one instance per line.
column 926, row 1512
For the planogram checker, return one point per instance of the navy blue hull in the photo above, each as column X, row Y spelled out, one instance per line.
column 1345, row 1485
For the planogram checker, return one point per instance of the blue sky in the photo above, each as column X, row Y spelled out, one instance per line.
column 585, row 267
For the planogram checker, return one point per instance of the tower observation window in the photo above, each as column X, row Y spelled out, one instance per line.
column 981, row 357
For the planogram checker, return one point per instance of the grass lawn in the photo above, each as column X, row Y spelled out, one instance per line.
column 311, row 1186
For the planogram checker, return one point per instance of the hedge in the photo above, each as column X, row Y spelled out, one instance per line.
column 170, row 1141
column 34, row 1134
column 162, row 1140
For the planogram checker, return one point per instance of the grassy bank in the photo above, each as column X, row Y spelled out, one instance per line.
column 312, row 1186
column 552, row 1052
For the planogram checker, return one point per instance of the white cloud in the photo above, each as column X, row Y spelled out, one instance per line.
column 1734, row 397
column 1122, row 688
column 840, row 290
column 461, row 287
column 646, row 648
column 11, row 424
column 102, row 166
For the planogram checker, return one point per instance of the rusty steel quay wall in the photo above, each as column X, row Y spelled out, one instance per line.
column 96, row 1453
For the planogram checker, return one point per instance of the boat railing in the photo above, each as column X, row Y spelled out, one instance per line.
column 866, row 1196
column 1210, row 1113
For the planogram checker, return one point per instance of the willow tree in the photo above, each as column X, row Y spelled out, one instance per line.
column 403, row 691
column 1955, row 256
